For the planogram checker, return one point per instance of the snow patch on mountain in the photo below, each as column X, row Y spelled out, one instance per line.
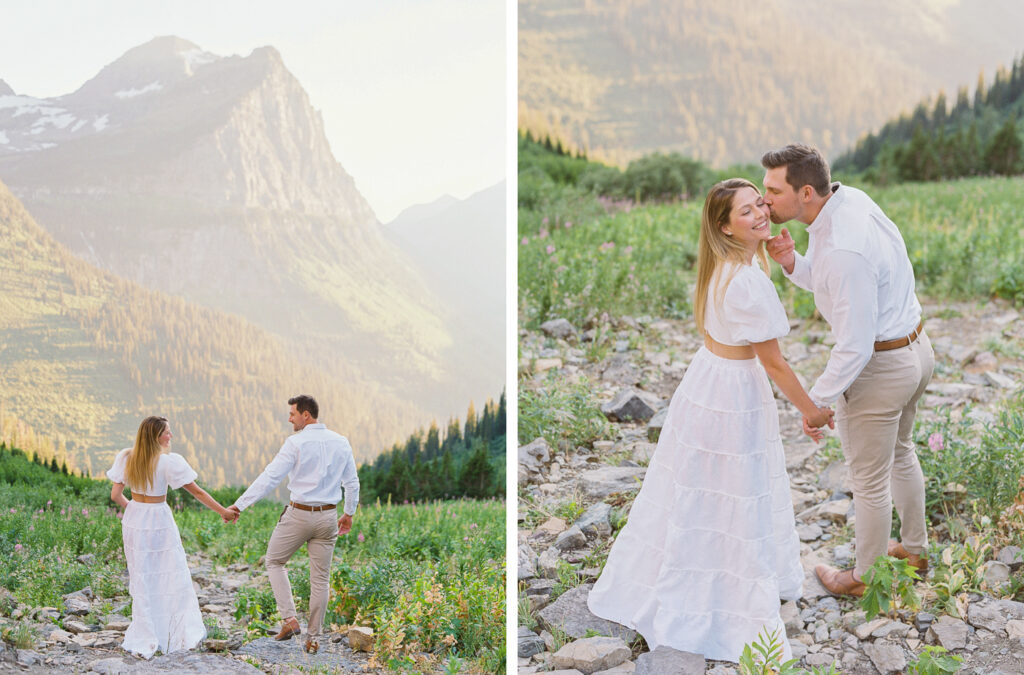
column 132, row 93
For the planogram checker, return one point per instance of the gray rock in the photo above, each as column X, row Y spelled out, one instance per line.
column 656, row 424
column 791, row 618
column 923, row 620
column 1011, row 555
column 628, row 405
column 86, row 559
column 529, row 643
column 996, row 573
column 893, row 628
column 949, row 632
column 594, row 521
column 625, row 668
column 547, row 563
column 887, row 658
column 569, row 613
column 809, row 532
column 843, row 555
column 535, row 454
column 590, row 655
column 643, row 452
column 27, row 657
column 836, row 478
column 112, row 666
column 610, row 479
column 799, row 649
column 77, row 605
column 78, row 627
column 992, row 615
column 864, row 630
column 1000, row 381
column 665, row 660
column 558, row 328
column 527, row 562
column 572, row 538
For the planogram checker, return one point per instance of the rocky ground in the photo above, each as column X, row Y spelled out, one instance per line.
column 90, row 637
column 979, row 360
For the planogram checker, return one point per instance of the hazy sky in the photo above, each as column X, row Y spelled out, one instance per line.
column 412, row 92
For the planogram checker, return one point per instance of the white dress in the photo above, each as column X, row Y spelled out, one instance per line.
column 710, row 545
column 165, row 611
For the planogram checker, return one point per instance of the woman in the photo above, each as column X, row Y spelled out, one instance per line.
column 165, row 611
column 710, row 545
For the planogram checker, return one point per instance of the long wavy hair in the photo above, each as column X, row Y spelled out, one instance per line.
column 714, row 247
column 138, row 473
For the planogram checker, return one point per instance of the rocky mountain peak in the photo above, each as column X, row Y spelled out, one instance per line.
column 5, row 89
column 154, row 66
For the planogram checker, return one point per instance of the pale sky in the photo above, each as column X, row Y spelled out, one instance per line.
column 412, row 92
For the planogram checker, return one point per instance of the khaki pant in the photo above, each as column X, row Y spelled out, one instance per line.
column 319, row 530
column 875, row 420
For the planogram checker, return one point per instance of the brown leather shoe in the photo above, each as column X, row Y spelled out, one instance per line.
column 839, row 582
column 896, row 550
column 311, row 646
column 289, row 628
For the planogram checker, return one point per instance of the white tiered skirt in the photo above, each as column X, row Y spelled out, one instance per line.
column 710, row 545
column 165, row 611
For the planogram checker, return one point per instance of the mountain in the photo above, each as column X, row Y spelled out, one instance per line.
column 723, row 82
column 87, row 355
column 210, row 178
column 459, row 246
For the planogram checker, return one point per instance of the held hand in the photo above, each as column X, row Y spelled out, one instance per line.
column 231, row 514
column 825, row 415
column 344, row 524
column 815, row 433
column 782, row 249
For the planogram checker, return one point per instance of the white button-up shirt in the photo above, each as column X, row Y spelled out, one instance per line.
column 318, row 463
column 863, row 283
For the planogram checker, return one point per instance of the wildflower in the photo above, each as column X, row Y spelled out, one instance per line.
column 607, row 246
column 550, row 249
column 17, row 548
column 472, row 526
column 31, row 528
column 13, row 511
column 465, row 539
column 525, row 241
column 85, row 512
column 936, row 442
column 49, row 502
column 627, row 250
column 568, row 224
column 39, row 511
column 360, row 538
column 119, row 515
column 545, row 221
column 61, row 511
column 543, row 234
column 560, row 269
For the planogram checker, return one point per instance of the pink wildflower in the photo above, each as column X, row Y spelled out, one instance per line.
column 360, row 538
column 465, row 539
column 49, row 502
column 543, row 234
column 17, row 548
column 545, row 221
column 936, row 442
column 607, row 246
column 472, row 526
column 525, row 241
column 627, row 250
column 13, row 511
column 62, row 512
column 85, row 512
column 550, row 249
column 568, row 224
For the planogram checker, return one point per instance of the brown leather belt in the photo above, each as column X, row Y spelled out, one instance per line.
column 886, row 345
column 731, row 352
column 304, row 507
column 148, row 499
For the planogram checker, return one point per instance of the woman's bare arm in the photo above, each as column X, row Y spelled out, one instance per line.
column 117, row 495
column 204, row 497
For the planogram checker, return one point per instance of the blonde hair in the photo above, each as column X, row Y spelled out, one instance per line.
column 138, row 473
column 714, row 247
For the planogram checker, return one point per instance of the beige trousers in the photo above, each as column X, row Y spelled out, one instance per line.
column 318, row 530
column 875, row 420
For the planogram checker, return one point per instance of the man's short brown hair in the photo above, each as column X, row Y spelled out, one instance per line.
column 305, row 403
column 804, row 166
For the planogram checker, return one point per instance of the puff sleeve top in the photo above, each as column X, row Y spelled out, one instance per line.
column 172, row 470
column 750, row 311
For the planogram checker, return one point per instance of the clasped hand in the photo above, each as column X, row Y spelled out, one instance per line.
column 813, row 425
column 231, row 514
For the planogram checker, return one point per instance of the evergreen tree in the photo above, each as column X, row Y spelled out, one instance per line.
column 1005, row 154
column 478, row 474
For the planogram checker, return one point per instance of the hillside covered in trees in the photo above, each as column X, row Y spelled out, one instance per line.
column 461, row 461
column 976, row 135
column 87, row 355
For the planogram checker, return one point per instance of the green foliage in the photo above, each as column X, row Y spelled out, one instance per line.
column 959, row 571
column 566, row 416
column 214, row 631
column 20, row 636
column 764, row 656
column 889, row 583
column 934, row 661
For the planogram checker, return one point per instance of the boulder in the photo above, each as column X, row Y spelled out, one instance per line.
column 886, row 657
column 571, row 539
column 558, row 328
column 656, row 424
column 590, row 655
column 529, row 643
column 610, row 479
column 594, row 521
column 628, row 405
column 360, row 638
column 949, row 632
column 664, row 660
column 570, row 614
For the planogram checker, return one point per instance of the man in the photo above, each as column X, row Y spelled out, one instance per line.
column 318, row 463
column 856, row 265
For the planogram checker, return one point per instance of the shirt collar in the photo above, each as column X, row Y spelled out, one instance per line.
column 318, row 425
column 824, row 217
